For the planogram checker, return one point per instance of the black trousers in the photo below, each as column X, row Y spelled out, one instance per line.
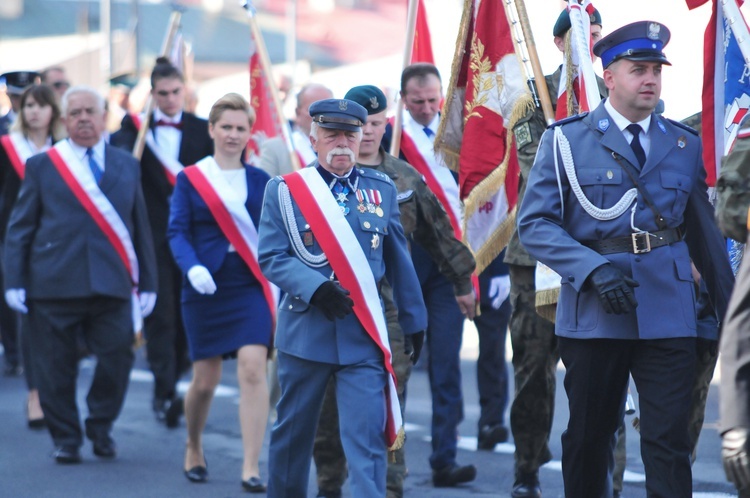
column 9, row 331
column 596, row 381
column 106, row 325
column 166, row 343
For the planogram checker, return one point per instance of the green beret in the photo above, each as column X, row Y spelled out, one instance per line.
column 563, row 22
column 368, row 96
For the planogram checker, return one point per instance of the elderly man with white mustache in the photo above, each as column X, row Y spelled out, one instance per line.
column 328, row 235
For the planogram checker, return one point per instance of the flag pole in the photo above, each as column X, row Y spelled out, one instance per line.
column 411, row 26
column 265, row 63
column 166, row 48
column 539, row 80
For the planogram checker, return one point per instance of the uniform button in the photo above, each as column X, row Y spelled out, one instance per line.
column 598, row 178
column 637, row 259
column 571, row 278
column 641, row 206
column 291, row 307
column 307, row 227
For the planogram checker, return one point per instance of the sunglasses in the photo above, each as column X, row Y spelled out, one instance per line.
column 61, row 84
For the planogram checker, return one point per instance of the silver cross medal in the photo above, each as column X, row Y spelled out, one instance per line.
column 375, row 241
column 341, row 197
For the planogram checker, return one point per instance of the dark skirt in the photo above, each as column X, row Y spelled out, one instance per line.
column 235, row 315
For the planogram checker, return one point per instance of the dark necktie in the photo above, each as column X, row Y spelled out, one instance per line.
column 428, row 132
column 635, row 144
column 162, row 122
column 95, row 168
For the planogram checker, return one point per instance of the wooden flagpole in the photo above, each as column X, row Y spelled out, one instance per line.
column 540, row 81
column 166, row 49
column 265, row 62
column 411, row 27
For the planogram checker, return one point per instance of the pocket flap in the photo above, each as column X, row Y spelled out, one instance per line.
column 672, row 179
column 373, row 224
column 599, row 176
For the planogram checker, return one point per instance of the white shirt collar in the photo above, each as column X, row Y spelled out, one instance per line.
column 622, row 122
column 434, row 124
column 80, row 151
column 160, row 116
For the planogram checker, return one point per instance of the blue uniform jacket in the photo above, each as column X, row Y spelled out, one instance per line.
column 675, row 178
column 303, row 330
column 194, row 236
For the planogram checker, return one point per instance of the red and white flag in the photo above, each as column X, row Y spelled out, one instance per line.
column 486, row 97
column 422, row 47
column 267, row 122
column 726, row 87
column 578, row 88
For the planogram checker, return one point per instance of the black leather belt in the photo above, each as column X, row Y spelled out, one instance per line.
column 636, row 243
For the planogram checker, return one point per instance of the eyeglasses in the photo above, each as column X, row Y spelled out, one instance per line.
column 60, row 84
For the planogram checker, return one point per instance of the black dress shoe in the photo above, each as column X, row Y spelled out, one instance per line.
column 67, row 454
column 13, row 370
column 199, row 473
column 36, row 423
column 490, row 435
column 329, row 494
column 526, row 486
column 104, row 445
column 254, row 485
column 453, row 475
column 174, row 410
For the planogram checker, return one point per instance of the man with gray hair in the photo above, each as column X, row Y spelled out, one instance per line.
column 79, row 260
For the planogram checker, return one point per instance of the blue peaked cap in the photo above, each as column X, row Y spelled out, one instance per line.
column 639, row 41
column 339, row 114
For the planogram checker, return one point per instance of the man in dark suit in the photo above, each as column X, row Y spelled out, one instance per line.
column 611, row 225
column 175, row 139
column 78, row 248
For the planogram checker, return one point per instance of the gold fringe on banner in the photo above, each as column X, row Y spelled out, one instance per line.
column 546, row 303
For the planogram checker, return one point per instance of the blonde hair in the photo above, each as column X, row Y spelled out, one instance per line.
column 231, row 102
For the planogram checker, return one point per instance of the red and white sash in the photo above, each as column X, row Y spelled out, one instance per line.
column 18, row 150
column 418, row 149
column 79, row 178
column 303, row 148
column 230, row 213
column 171, row 166
column 350, row 264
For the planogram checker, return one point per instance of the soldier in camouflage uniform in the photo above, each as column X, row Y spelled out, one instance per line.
column 535, row 354
column 424, row 219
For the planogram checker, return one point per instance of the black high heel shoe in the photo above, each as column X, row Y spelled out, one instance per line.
column 254, row 485
column 199, row 473
column 34, row 423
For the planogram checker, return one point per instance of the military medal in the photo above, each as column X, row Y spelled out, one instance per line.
column 375, row 241
column 361, row 198
column 341, row 197
column 376, row 200
column 369, row 206
column 340, row 192
column 681, row 142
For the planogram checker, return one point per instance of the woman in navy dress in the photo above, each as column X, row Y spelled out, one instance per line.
column 223, row 305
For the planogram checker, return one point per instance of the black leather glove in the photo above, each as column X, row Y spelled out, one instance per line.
column 614, row 289
column 734, row 454
column 333, row 300
column 413, row 346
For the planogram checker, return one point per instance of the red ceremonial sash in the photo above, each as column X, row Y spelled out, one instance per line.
column 118, row 241
column 244, row 238
column 415, row 158
column 350, row 265
column 171, row 166
column 17, row 153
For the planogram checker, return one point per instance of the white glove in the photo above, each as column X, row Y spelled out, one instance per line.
column 736, row 461
column 16, row 299
column 147, row 300
column 201, row 280
column 499, row 290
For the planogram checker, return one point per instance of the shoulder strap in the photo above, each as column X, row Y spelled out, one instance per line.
column 661, row 223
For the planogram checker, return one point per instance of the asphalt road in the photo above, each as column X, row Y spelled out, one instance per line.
column 149, row 462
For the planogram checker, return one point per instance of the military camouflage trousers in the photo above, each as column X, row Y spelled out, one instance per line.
column 535, row 358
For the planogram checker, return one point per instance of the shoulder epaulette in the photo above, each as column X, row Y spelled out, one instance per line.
column 683, row 126
column 373, row 173
column 569, row 119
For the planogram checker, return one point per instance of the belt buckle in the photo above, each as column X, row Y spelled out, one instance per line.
column 641, row 242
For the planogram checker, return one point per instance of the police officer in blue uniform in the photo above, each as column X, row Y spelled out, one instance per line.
column 317, row 335
column 620, row 224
